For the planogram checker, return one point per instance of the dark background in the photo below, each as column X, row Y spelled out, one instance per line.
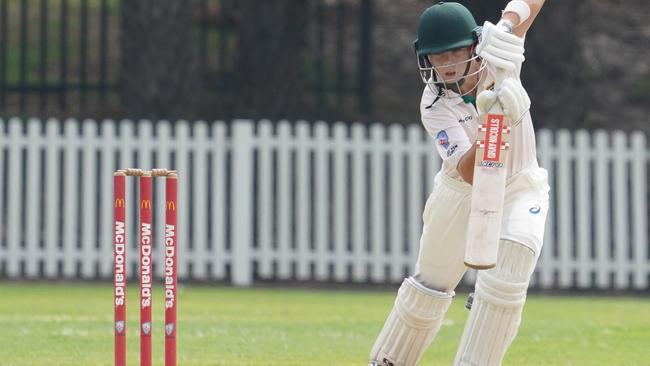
column 351, row 60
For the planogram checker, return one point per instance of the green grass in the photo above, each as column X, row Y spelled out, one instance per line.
column 71, row 324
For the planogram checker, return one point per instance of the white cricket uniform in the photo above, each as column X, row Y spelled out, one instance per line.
column 453, row 123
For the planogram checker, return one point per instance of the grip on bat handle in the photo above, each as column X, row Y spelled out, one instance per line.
column 499, row 76
column 499, row 73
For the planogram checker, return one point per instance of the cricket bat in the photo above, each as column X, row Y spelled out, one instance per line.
column 488, row 187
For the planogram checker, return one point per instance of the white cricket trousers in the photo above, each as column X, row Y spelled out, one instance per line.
column 440, row 263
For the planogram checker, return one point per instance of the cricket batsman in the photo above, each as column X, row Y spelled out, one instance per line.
column 458, row 61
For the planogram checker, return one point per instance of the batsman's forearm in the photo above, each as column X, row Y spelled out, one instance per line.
column 466, row 165
column 521, row 29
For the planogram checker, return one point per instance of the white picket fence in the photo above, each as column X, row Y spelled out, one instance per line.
column 298, row 201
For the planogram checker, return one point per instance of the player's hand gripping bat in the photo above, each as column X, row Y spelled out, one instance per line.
column 488, row 187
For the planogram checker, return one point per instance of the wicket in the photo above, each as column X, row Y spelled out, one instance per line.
column 146, row 263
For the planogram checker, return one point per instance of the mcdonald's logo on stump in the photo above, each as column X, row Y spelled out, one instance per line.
column 146, row 261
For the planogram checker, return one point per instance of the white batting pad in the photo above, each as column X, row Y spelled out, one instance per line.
column 411, row 325
column 499, row 298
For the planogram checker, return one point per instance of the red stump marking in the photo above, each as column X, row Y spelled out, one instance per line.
column 171, row 254
column 119, row 268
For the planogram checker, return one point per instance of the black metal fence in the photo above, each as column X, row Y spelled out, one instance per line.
column 55, row 55
column 63, row 57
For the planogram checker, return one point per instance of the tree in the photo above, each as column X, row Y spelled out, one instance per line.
column 270, row 79
column 554, row 69
column 159, row 58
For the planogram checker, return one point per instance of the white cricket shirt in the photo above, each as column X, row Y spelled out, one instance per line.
column 453, row 124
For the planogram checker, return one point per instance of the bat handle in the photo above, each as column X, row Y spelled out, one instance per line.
column 499, row 75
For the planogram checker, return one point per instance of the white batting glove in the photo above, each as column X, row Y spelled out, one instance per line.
column 512, row 96
column 485, row 100
column 500, row 48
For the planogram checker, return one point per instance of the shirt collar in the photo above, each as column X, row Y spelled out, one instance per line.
column 452, row 98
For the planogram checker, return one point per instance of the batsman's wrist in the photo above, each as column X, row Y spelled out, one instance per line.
column 507, row 25
column 518, row 7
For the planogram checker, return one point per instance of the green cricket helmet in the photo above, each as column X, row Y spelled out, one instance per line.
column 445, row 27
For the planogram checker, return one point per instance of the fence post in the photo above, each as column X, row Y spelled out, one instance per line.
column 241, row 205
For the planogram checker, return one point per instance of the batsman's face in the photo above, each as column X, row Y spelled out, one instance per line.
column 451, row 66
column 459, row 67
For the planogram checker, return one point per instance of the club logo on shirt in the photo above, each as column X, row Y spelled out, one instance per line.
column 443, row 139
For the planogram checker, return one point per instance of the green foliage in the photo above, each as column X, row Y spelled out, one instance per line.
column 51, row 26
column 639, row 91
column 71, row 324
